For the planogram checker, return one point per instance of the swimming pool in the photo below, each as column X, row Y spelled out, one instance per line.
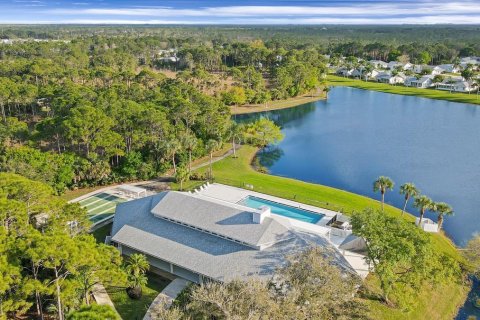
column 282, row 209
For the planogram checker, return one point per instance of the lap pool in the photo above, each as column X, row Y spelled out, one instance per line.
column 282, row 209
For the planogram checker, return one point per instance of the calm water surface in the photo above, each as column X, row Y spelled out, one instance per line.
column 358, row 135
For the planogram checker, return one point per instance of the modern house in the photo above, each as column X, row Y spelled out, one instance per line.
column 198, row 237
column 457, row 85
column 423, row 82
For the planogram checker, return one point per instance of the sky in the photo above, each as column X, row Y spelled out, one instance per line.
column 239, row 12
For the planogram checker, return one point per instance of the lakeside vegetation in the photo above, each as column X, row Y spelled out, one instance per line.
column 471, row 98
column 239, row 172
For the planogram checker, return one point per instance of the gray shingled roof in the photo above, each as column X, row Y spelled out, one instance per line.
column 217, row 258
column 225, row 219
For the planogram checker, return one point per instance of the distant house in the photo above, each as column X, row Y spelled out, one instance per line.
column 470, row 61
column 345, row 72
column 379, row 64
column 451, row 68
column 390, row 79
column 423, row 82
column 437, row 70
column 408, row 66
column 393, row 64
column 457, row 84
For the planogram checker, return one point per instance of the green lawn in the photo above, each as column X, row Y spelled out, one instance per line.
column 135, row 309
column 440, row 302
column 472, row 98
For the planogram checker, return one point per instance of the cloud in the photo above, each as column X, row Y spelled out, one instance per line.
column 332, row 12
column 369, row 9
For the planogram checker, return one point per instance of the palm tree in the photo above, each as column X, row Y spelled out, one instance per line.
column 423, row 203
column 137, row 266
column 382, row 184
column 212, row 146
column 189, row 142
column 326, row 90
column 171, row 147
column 183, row 174
column 442, row 209
column 409, row 190
column 236, row 133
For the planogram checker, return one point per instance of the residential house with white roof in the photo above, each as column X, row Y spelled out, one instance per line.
column 422, row 82
column 387, row 77
column 379, row 64
column 450, row 68
column 457, row 84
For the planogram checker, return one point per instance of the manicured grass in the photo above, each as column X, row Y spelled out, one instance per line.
column 130, row 309
column 440, row 302
column 472, row 98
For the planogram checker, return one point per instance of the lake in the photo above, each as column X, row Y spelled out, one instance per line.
column 357, row 135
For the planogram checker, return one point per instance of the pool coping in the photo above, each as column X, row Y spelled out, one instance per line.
column 320, row 215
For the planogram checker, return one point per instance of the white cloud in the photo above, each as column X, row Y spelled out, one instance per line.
column 369, row 9
column 425, row 19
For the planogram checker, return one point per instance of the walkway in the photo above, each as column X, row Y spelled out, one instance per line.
column 215, row 159
column 167, row 296
column 101, row 296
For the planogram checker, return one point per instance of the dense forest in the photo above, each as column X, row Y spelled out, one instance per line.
column 99, row 110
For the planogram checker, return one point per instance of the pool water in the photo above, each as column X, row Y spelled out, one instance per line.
column 282, row 209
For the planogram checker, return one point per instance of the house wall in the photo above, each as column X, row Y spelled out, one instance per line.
column 160, row 266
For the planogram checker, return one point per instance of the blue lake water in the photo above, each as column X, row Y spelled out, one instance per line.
column 281, row 209
column 358, row 135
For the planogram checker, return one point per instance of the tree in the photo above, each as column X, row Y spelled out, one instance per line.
column 236, row 133
column 398, row 253
column 170, row 148
column 467, row 73
column 94, row 312
column 423, row 203
column 137, row 266
column 88, row 126
column 442, row 209
column 383, row 184
column 408, row 190
column 189, row 143
column 316, row 288
column 472, row 254
column 182, row 174
column 212, row 146
column 263, row 132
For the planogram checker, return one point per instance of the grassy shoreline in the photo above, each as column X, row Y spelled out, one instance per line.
column 471, row 98
column 276, row 105
column 449, row 297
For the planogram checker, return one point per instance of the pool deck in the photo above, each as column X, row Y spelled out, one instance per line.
column 234, row 195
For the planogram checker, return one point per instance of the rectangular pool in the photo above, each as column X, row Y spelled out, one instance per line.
column 282, row 209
